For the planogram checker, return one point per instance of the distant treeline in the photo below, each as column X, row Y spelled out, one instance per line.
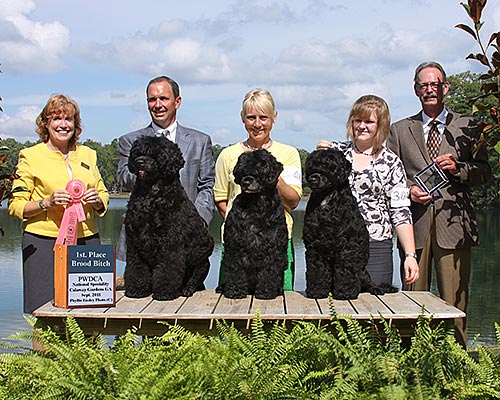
column 485, row 196
column 107, row 158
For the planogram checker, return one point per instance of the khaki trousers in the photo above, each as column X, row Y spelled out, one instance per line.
column 453, row 268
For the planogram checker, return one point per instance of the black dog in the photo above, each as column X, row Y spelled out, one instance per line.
column 255, row 231
column 168, row 245
column 335, row 234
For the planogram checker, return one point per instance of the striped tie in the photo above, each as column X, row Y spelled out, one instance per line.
column 433, row 140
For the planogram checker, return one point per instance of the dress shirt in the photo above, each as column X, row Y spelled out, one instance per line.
column 172, row 129
column 441, row 123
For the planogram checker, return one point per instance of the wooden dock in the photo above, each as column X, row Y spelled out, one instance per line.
column 199, row 312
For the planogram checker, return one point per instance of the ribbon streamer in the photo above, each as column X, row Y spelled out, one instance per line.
column 74, row 213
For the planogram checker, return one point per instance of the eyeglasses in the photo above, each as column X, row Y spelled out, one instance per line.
column 433, row 85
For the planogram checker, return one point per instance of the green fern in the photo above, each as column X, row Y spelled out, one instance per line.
column 344, row 359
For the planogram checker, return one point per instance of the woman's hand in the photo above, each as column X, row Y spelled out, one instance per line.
column 92, row 197
column 324, row 144
column 59, row 198
column 411, row 270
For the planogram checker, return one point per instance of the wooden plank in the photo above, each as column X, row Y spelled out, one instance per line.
column 199, row 306
column 298, row 306
column 368, row 306
column 128, row 307
column 233, row 308
column 119, row 294
column 163, row 309
column 49, row 310
column 402, row 306
column 269, row 309
column 342, row 307
column 199, row 312
column 90, row 311
column 439, row 308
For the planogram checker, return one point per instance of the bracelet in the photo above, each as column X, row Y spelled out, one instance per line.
column 414, row 255
column 41, row 205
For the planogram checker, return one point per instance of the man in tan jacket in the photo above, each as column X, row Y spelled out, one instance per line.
column 445, row 222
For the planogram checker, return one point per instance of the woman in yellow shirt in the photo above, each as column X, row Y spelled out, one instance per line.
column 258, row 115
column 39, row 196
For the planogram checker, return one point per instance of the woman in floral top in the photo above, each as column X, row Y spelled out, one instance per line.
column 378, row 181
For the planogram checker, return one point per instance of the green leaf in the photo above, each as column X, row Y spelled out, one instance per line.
column 497, row 147
column 467, row 9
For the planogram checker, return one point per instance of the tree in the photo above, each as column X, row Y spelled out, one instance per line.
column 465, row 89
column 489, row 56
column 107, row 162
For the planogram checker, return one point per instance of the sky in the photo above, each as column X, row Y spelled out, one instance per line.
column 316, row 57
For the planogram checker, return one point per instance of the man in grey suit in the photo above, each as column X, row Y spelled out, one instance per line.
column 445, row 223
column 198, row 175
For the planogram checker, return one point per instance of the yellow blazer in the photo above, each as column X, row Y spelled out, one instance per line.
column 41, row 171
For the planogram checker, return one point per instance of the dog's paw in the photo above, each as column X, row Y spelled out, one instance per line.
column 165, row 296
column 134, row 294
column 316, row 295
column 345, row 296
column 382, row 289
column 235, row 295
column 188, row 292
column 265, row 295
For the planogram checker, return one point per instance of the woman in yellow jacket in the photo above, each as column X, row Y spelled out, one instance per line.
column 39, row 196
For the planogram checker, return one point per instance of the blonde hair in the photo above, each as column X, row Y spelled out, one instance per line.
column 260, row 99
column 56, row 105
column 362, row 109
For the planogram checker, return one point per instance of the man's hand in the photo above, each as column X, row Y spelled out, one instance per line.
column 447, row 163
column 418, row 195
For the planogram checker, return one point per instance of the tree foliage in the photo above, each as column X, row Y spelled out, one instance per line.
column 489, row 57
column 465, row 90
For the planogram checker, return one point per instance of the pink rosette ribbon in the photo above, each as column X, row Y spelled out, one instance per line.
column 74, row 213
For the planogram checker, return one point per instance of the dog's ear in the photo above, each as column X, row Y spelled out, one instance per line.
column 135, row 151
column 170, row 157
column 342, row 166
column 275, row 169
column 243, row 159
column 311, row 161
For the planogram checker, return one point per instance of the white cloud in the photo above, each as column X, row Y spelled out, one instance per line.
column 27, row 46
column 296, row 122
column 147, row 55
column 252, row 11
column 316, row 58
column 221, row 136
column 20, row 126
column 18, row 7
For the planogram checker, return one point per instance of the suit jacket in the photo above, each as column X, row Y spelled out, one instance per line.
column 197, row 176
column 456, row 225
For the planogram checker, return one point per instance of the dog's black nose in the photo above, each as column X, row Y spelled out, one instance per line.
column 140, row 162
column 247, row 181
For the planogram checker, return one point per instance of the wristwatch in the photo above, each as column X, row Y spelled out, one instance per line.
column 414, row 255
column 41, row 205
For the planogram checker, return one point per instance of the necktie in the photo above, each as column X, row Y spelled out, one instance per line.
column 163, row 132
column 433, row 140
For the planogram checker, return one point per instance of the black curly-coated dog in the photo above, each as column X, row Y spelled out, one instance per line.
column 335, row 234
column 168, row 244
column 255, row 231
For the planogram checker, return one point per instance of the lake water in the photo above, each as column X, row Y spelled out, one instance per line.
column 484, row 304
